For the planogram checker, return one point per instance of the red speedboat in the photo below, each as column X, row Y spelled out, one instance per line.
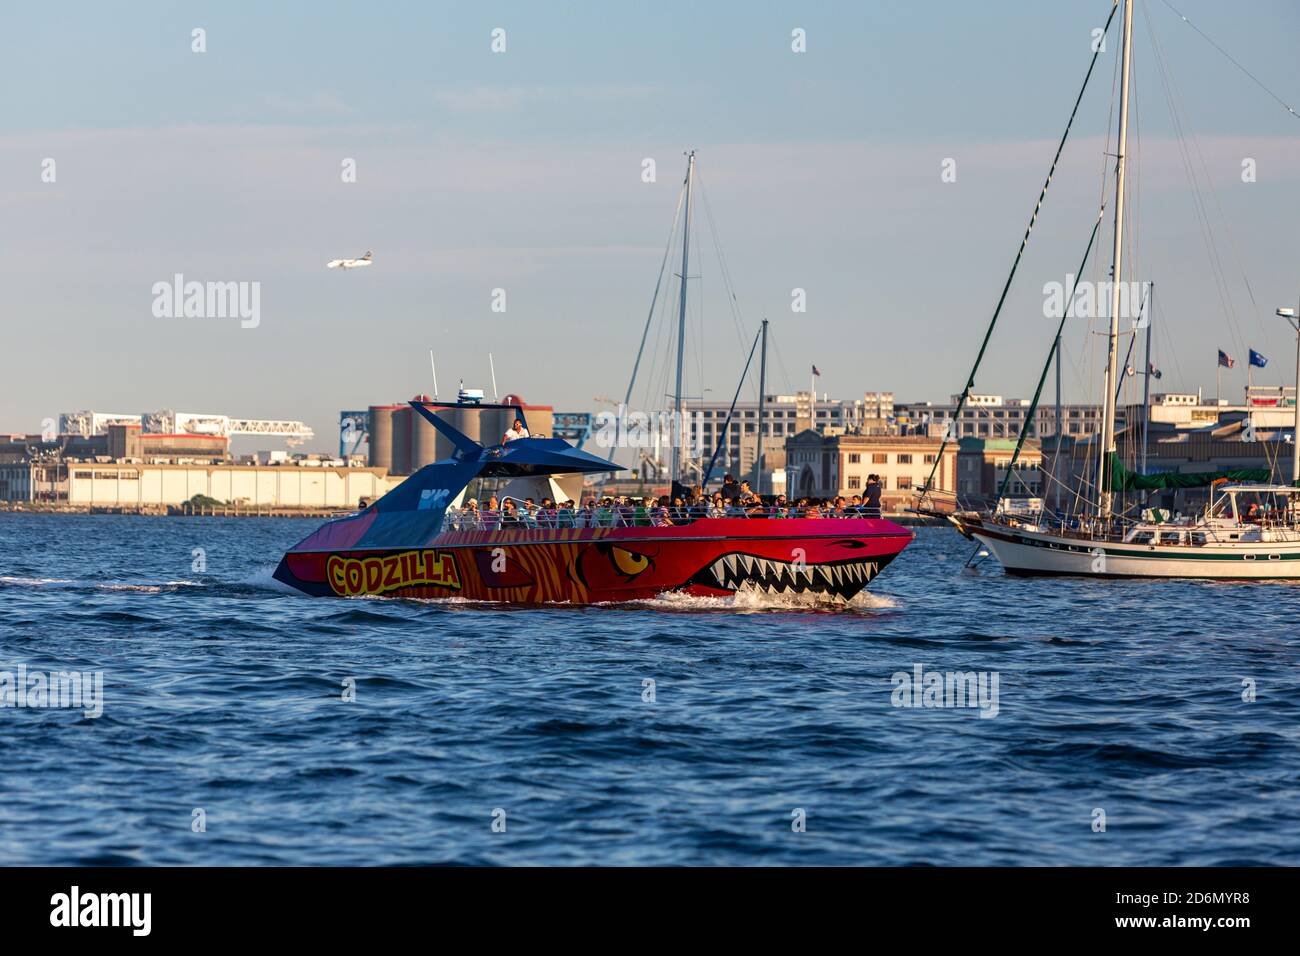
column 417, row 542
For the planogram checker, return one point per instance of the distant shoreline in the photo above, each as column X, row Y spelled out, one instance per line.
column 169, row 511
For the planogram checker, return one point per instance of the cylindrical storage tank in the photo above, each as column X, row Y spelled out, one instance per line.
column 402, row 440
column 381, row 436
column 424, row 438
column 425, row 446
column 466, row 420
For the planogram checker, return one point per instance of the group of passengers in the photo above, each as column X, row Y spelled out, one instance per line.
column 735, row 499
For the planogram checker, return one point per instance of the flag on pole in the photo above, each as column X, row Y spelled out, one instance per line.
column 1257, row 360
column 816, row 371
column 1152, row 370
column 1226, row 360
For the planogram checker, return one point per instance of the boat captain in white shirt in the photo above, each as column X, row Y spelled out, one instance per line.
column 516, row 431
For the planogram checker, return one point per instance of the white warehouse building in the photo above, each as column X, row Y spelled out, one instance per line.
column 281, row 486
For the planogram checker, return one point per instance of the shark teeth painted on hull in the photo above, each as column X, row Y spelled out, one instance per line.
column 842, row 579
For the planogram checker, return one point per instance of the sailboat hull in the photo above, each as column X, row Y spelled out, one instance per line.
column 1037, row 553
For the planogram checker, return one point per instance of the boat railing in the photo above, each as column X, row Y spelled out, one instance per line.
column 482, row 519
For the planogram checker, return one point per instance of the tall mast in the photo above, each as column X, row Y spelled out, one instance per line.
column 1056, row 458
column 1112, row 344
column 1295, row 434
column 762, row 389
column 1146, row 386
column 679, row 432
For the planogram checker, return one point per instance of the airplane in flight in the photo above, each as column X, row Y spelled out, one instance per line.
column 349, row 263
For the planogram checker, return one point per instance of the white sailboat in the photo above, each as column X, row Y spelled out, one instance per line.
column 1246, row 531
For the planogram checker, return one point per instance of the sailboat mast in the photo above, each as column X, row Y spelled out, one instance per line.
column 679, row 431
column 762, row 410
column 1104, row 500
column 1146, row 385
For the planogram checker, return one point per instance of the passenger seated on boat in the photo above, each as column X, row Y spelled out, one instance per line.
column 564, row 515
column 509, row 514
column 621, row 508
column 661, row 517
column 516, row 431
column 469, row 517
column 491, row 516
column 640, row 516
column 530, row 513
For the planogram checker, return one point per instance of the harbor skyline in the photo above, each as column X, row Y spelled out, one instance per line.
column 503, row 195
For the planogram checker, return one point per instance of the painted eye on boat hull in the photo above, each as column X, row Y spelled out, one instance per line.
column 628, row 562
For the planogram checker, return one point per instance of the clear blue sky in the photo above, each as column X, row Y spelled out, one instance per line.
column 521, row 171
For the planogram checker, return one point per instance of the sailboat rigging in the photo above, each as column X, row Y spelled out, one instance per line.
column 1249, row 528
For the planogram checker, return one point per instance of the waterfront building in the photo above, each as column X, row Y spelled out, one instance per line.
column 825, row 465
column 983, row 463
column 992, row 416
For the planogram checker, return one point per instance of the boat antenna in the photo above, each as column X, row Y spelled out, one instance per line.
column 1107, row 444
column 434, row 369
column 496, row 396
column 679, row 430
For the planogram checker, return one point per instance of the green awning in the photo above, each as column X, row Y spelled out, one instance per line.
column 1121, row 479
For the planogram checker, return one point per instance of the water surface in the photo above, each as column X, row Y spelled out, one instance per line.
column 223, row 693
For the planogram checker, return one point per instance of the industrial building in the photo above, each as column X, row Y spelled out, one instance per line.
column 115, row 441
column 401, row 441
column 142, row 486
column 168, row 422
column 162, row 460
column 825, row 465
column 992, row 416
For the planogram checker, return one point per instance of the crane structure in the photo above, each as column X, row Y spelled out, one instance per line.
column 168, row 422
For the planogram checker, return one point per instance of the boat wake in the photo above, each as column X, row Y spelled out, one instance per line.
column 754, row 600
column 263, row 579
column 71, row 583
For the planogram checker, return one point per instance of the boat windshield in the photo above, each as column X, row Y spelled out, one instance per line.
column 1264, row 507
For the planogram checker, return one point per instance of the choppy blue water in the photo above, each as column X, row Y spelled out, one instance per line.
column 224, row 694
